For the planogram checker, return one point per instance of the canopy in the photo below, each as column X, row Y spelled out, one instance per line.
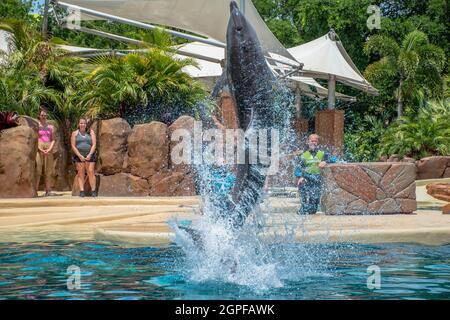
column 326, row 55
column 204, row 68
column 208, row 18
column 207, row 69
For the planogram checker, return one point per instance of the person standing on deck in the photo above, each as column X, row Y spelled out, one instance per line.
column 307, row 171
column 44, row 156
column 83, row 146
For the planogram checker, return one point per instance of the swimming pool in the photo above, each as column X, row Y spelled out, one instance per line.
column 108, row 271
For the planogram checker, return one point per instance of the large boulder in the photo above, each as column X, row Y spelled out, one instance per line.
column 369, row 188
column 18, row 147
column 180, row 180
column 172, row 183
column 87, row 186
column 433, row 167
column 182, row 127
column 148, row 149
column 112, row 145
column 439, row 191
column 122, row 185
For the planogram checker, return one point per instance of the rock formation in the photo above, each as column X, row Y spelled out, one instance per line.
column 369, row 188
column 433, row 168
column 148, row 149
column 17, row 162
column 440, row 191
column 112, row 141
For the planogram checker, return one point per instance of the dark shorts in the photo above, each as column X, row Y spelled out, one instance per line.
column 75, row 159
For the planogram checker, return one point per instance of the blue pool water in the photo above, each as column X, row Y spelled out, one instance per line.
column 107, row 271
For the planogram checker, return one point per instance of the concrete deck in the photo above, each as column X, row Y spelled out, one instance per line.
column 143, row 221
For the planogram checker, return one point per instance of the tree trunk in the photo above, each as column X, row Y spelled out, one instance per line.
column 45, row 21
column 400, row 100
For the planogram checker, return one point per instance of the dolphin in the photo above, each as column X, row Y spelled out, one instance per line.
column 255, row 91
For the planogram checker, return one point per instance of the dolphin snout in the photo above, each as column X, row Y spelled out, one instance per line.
column 233, row 6
column 236, row 16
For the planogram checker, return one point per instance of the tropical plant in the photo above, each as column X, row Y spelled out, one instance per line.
column 36, row 74
column 421, row 135
column 413, row 68
column 141, row 86
column 362, row 142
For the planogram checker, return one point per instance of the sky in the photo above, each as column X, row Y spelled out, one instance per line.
column 37, row 5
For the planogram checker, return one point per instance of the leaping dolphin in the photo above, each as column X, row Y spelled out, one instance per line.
column 256, row 92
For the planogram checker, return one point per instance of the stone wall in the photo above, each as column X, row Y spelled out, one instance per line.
column 136, row 161
column 18, row 147
column 436, row 167
column 369, row 188
column 433, row 168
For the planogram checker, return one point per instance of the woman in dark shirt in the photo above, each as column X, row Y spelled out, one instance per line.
column 83, row 145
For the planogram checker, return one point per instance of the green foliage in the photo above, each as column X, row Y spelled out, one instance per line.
column 141, row 87
column 406, row 70
column 15, row 9
column 425, row 134
column 362, row 143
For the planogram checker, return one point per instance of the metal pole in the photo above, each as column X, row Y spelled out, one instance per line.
column 331, row 92
column 298, row 102
column 242, row 7
column 140, row 24
column 140, row 43
column 45, row 21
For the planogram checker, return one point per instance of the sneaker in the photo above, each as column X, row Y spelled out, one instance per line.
column 94, row 194
column 82, row 194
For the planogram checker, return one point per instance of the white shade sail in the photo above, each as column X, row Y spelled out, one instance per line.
column 312, row 89
column 204, row 68
column 208, row 18
column 207, row 69
column 327, row 56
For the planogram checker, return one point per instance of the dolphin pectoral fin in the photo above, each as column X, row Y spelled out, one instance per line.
column 220, row 85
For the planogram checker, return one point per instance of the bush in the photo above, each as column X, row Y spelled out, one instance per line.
column 426, row 133
column 362, row 144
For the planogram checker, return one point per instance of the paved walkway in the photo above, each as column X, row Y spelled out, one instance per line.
column 143, row 221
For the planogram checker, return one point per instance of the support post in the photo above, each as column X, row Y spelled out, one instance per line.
column 331, row 92
column 298, row 102
column 242, row 7
column 45, row 21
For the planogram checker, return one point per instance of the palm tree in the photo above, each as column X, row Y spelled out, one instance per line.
column 124, row 86
column 38, row 74
column 414, row 67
